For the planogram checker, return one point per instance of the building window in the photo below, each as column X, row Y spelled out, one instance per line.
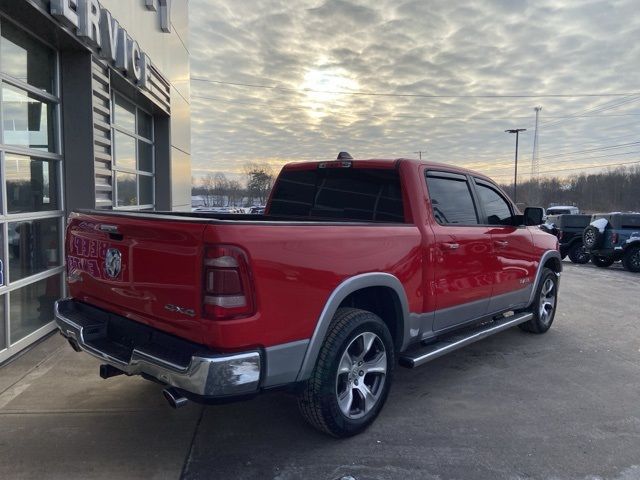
column 31, row 210
column 133, row 155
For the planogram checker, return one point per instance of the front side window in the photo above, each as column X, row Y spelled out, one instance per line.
column 495, row 206
column 133, row 155
column 451, row 200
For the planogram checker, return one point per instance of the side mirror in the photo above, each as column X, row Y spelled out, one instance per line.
column 533, row 216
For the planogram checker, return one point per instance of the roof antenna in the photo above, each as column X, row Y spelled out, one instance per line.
column 344, row 156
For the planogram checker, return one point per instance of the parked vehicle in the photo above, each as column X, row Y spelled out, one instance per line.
column 612, row 237
column 563, row 210
column 354, row 266
column 569, row 229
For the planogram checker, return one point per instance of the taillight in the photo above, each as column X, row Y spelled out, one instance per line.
column 228, row 290
column 614, row 238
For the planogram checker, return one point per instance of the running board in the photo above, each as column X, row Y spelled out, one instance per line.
column 425, row 354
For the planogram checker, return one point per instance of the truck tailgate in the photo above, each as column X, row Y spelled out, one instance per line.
column 158, row 281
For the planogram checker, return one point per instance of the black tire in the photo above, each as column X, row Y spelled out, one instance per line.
column 602, row 262
column 631, row 259
column 545, row 304
column 591, row 237
column 578, row 254
column 319, row 399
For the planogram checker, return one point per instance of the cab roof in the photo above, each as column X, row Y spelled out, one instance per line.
column 382, row 163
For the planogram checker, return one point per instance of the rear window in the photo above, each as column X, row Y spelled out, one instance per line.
column 351, row 194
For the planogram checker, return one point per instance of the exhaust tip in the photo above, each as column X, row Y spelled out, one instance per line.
column 174, row 397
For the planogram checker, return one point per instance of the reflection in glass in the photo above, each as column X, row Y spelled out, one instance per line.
column 146, row 190
column 125, row 153
column 32, row 306
column 145, row 156
column 144, row 125
column 32, row 184
column 26, row 59
column 124, row 114
column 126, row 184
column 34, row 246
column 26, row 120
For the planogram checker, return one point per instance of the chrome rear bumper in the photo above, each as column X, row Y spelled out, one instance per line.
column 150, row 352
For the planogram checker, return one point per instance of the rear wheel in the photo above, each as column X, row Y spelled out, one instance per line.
column 352, row 377
column 544, row 307
column 602, row 262
column 631, row 259
column 578, row 254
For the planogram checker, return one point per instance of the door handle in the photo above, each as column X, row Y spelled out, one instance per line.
column 451, row 246
column 501, row 243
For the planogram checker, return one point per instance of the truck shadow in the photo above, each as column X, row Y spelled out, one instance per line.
column 267, row 438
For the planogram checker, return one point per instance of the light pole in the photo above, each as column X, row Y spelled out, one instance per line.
column 515, row 175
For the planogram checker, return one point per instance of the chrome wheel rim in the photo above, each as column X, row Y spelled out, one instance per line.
column 361, row 375
column 547, row 301
column 635, row 259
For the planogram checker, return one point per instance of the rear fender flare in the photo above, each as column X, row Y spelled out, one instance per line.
column 347, row 287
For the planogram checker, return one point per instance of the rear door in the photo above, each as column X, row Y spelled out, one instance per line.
column 514, row 259
column 463, row 252
column 148, row 270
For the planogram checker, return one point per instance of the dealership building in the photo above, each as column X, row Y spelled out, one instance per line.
column 94, row 108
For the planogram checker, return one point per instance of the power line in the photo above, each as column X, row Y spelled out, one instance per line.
column 574, row 160
column 412, row 95
column 580, row 168
column 269, row 106
column 597, row 109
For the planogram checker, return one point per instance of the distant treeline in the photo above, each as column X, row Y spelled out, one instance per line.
column 612, row 191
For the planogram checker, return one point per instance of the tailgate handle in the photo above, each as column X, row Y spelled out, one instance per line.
column 108, row 228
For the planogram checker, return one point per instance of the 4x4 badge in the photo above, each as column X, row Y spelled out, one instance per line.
column 113, row 262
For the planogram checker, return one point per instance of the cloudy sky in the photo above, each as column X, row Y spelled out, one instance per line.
column 280, row 80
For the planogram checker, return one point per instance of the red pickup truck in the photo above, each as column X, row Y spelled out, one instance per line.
column 356, row 265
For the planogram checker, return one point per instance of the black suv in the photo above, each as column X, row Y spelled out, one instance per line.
column 614, row 236
column 568, row 229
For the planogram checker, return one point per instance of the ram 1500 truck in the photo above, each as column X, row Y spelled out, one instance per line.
column 355, row 266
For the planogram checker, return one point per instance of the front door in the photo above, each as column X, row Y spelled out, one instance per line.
column 515, row 262
column 462, row 264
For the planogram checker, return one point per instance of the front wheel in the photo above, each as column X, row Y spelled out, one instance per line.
column 578, row 254
column 602, row 262
column 631, row 259
column 352, row 377
column 544, row 306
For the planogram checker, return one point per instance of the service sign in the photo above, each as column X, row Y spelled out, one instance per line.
column 98, row 29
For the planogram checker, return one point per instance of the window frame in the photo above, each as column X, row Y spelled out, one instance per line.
column 485, row 218
column 115, row 169
column 443, row 174
column 57, row 157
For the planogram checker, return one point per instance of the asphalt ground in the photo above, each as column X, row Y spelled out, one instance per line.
column 564, row 405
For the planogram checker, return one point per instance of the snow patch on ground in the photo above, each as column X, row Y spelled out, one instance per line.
column 600, row 224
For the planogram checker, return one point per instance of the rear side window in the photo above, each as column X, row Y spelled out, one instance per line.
column 451, row 200
column 495, row 206
column 351, row 194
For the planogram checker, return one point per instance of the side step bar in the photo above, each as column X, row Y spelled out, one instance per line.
column 420, row 356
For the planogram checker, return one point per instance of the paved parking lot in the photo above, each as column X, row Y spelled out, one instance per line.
column 565, row 405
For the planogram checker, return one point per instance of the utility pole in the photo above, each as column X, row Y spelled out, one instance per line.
column 535, row 161
column 515, row 175
column 420, row 152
